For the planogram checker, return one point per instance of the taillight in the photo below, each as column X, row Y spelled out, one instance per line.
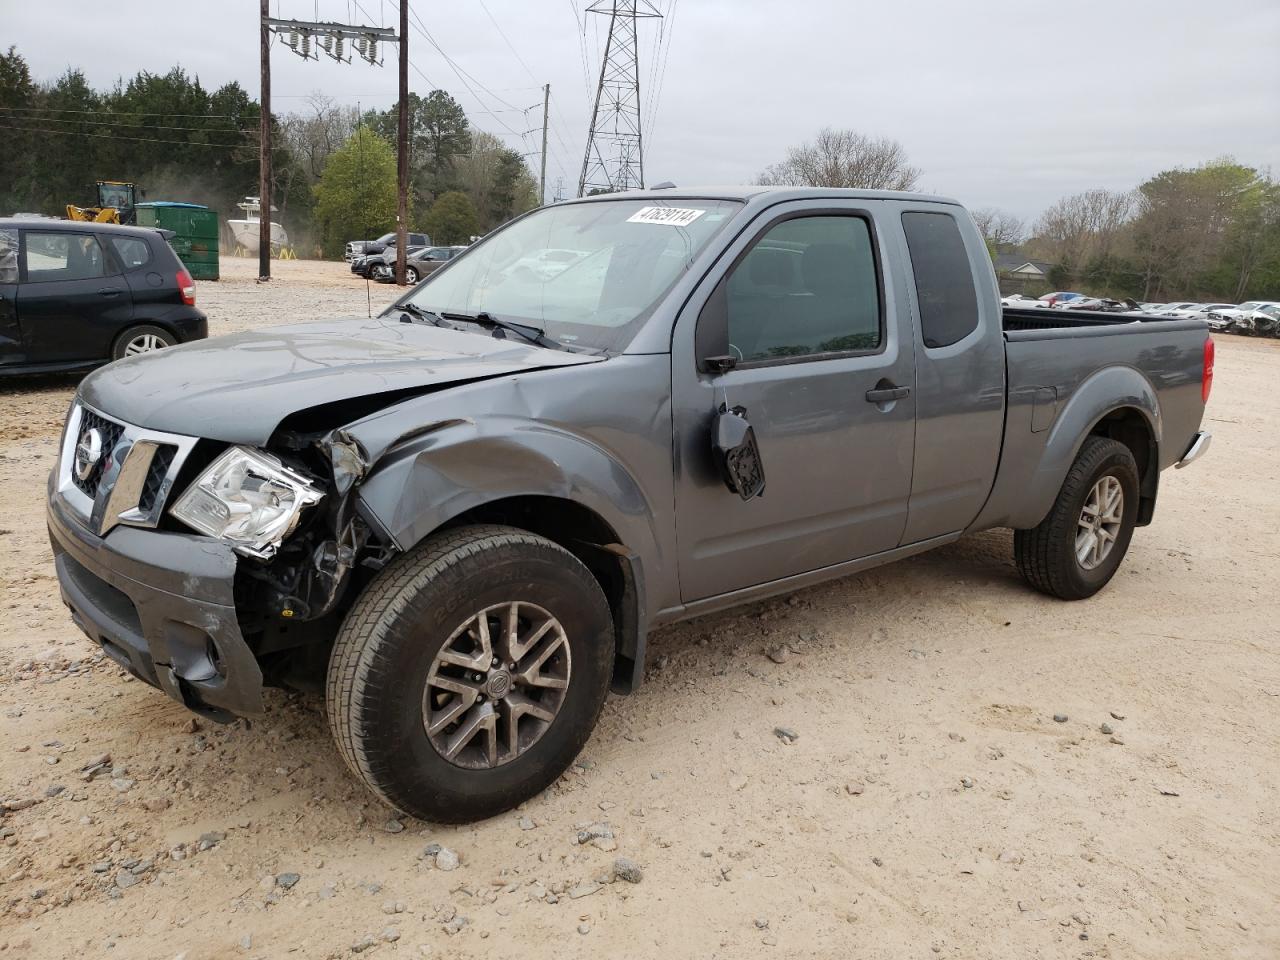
column 187, row 287
column 1206, row 377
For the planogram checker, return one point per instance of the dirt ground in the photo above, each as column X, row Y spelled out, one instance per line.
column 931, row 805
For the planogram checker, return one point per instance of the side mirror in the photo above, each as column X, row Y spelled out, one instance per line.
column 736, row 452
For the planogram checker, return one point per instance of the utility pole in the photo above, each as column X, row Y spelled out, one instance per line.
column 402, row 148
column 542, row 177
column 264, row 151
column 309, row 39
column 615, row 150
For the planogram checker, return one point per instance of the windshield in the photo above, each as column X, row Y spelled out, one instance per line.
column 587, row 274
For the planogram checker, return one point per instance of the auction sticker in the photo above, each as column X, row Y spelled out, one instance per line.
column 671, row 216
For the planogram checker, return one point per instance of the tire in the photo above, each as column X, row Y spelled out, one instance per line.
column 411, row 275
column 1046, row 555
column 135, row 340
column 387, row 650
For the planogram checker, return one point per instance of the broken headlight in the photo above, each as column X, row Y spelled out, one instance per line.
column 248, row 498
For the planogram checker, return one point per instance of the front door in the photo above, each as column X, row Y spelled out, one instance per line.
column 72, row 300
column 825, row 374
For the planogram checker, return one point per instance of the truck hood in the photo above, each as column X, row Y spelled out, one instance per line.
column 239, row 388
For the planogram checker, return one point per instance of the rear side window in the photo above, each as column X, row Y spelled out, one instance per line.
column 133, row 252
column 64, row 256
column 944, row 280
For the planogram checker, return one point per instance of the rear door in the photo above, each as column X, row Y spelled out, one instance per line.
column 820, row 347
column 10, row 333
column 72, row 300
column 960, row 368
column 151, row 269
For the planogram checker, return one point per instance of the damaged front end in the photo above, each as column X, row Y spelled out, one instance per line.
column 290, row 603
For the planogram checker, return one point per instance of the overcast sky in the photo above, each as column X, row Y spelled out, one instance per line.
column 1007, row 104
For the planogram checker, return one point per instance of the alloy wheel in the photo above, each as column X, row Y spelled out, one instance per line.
column 144, row 343
column 1100, row 522
column 496, row 685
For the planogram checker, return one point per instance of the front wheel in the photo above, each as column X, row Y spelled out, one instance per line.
column 411, row 275
column 1075, row 550
column 470, row 673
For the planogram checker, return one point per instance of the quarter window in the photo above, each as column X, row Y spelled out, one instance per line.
column 63, row 256
column 8, row 256
column 133, row 252
column 808, row 287
column 945, row 293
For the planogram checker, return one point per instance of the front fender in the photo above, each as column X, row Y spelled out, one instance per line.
column 446, row 469
column 1109, row 389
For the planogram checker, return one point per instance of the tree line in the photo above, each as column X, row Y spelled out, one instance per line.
column 333, row 168
column 1207, row 233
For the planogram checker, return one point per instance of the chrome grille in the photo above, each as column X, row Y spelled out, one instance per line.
column 109, row 433
column 129, row 482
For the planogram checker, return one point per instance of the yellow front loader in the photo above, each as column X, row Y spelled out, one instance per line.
column 116, row 202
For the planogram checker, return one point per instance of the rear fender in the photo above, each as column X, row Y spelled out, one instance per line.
column 1100, row 394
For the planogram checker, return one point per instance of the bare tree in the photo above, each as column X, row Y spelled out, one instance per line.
column 998, row 228
column 844, row 158
column 316, row 133
column 1083, row 227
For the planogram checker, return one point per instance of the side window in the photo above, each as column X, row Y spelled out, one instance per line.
column 132, row 251
column 63, row 256
column 8, row 255
column 807, row 287
column 944, row 280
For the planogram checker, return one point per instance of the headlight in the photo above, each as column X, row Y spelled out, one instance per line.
column 248, row 498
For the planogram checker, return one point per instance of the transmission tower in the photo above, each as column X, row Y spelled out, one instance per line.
column 615, row 149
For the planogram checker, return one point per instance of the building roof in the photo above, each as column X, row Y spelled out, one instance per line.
column 1017, row 263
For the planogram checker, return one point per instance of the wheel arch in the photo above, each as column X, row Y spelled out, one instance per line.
column 1132, row 427
column 1117, row 402
column 567, row 490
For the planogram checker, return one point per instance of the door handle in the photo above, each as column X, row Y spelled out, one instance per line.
column 887, row 394
column 108, row 292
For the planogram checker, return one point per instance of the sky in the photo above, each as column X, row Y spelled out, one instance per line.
column 1000, row 104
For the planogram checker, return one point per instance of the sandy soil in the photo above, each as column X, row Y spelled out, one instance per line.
column 931, row 805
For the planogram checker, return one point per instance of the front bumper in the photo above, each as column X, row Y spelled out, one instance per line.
column 161, row 605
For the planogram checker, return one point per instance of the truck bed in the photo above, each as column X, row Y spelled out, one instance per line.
column 1067, row 368
column 1039, row 318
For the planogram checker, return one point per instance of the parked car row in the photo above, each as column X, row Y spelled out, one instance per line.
column 1256, row 318
column 364, row 248
column 419, row 261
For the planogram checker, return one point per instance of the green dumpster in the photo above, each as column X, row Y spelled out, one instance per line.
column 195, row 230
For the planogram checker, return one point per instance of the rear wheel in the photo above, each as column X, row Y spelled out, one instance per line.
column 1075, row 550
column 470, row 673
column 141, row 339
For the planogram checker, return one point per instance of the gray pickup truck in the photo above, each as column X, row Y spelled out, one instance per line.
column 463, row 517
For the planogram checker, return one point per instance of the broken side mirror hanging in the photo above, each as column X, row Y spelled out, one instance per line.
column 736, row 452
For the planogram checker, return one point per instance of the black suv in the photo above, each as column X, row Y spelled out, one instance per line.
column 75, row 295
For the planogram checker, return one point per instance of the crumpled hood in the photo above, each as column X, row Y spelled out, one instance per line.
column 238, row 388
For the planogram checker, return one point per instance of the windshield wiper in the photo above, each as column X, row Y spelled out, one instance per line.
column 535, row 335
column 430, row 316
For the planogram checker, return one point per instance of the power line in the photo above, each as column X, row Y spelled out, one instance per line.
column 510, row 45
column 109, row 136
column 126, row 113
column 125, row 126
column 662, row 76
